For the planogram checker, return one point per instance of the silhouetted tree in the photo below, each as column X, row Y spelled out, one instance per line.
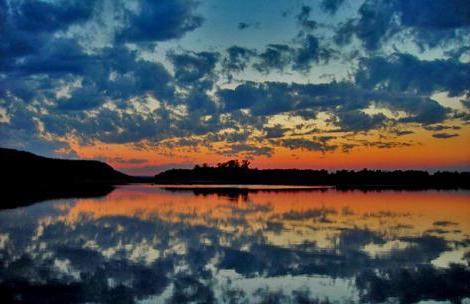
column 245, row 164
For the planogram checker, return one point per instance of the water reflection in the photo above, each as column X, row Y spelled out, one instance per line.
column 175, row 245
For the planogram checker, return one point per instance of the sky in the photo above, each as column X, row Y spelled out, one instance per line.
column 150, row 85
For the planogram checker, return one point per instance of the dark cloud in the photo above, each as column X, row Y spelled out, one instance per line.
column 444, row 135
column 274, row 57
column 230, row 137
column 375, row 24
column 385, row 144
column 199, row 102
column 82, row 99
column 427, row 22
column 263, row 99
column 356, row 120
column 117, row 74
column 45, row 16
column 464, row 116
column 22, row 132
column 405, row 72
column 26, row 25
column 441, row 127
column 311, row 52
column 245, row 25
column 402, row 132
column 434, row 14
column 305, row 144
column 247, row 149
column 159, row 21
column 344, row 33
column 342, row 99
column 299, row 57
column 303, row 18
column 275, row 132
column 237, row 58
column 56, row 57
column 424, row 110
column 191, row 67
column 466, row 103
column 331, row 6
column 111, row 74
column 243, row 96
column 445, row 223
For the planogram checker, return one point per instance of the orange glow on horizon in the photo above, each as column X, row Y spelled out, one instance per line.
column 424, row 152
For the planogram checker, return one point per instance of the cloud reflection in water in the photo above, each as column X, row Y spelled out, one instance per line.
column 149, row 244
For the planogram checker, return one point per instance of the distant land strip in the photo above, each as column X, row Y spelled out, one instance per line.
column 236, row 172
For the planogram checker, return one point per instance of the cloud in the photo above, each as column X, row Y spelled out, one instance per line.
column 311, row 52
column 356, row 120
column 159, row 21
column 191, row 67
column 434, row 14
column 305, row 144
column 248, row 150
column 427, row 22
column 245, row 25
column 27, row 26
column 94, row 72
column 402, row 132
column 109, row 74
column 243, row 96
column 55, row 57
column 237, row 58
column 441, row 127
column 424, row 110
column 200, row 103
column 303, row 18
column 299, row 57
column 385, row 144
column 23, row 132
column 42, row 16
column 341, row 99
column 274, row 57
column 230, row 137
column 275, row 132
column 444, row 135
column 331, row 6
column 466, row 103
column 405, row 72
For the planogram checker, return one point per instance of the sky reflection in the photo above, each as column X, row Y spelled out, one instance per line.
column 153, row 244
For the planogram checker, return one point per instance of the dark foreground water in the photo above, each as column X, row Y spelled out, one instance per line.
column 149, row 244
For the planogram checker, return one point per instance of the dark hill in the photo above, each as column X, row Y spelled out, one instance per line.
column 25, row 167
column 26, row 178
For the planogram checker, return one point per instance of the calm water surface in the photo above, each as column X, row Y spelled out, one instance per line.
column 150, row 244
